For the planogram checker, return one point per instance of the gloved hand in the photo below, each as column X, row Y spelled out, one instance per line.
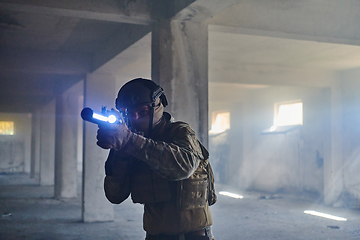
column 113, row 136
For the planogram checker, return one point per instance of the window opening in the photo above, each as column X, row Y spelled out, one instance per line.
column 6, row 128
column 288, row 113
column 220, row 122
column 288, row 116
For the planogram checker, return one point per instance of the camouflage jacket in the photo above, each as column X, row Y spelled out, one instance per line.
column 168, row 173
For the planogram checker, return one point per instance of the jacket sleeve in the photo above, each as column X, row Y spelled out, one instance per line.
column 176, row 159
column 117, row 179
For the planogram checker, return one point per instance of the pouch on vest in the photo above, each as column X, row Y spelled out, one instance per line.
column 192, row 193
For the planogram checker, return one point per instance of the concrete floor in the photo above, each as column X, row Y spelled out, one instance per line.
column 28, row 212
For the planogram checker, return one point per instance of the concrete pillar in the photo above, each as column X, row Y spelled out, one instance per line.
column 66, row 144
column 80, row 132
column 333, row 168
column 47, row 146
column 236, row 142
column 35, row 144
column 248, row 170
column 350, row 100
column 27, row 146
column 180, row 66
column 99, row 91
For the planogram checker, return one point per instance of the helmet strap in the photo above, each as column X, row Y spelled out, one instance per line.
column 127, row 120
column 151, row 119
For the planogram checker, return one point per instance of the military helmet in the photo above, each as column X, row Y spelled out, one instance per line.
column 139, row 92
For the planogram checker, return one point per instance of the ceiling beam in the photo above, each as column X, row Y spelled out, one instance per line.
column 143, row 12
column 22, row 104
column 33, row 84
column 285, row 35
column 136, row 12
column 25, row 92
column 44, row 61
column 256, row 74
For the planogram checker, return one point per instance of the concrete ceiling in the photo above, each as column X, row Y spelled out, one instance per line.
column 253, row 59
column 46, row 46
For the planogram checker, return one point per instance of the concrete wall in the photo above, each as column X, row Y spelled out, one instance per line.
column 292, row 161
column 15, row 150
column 322, row 157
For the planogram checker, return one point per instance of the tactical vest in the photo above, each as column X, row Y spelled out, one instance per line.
column 149, row 187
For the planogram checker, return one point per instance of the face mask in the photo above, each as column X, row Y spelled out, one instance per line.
column 140, row 117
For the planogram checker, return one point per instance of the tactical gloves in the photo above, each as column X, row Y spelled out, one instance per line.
column 113, row 136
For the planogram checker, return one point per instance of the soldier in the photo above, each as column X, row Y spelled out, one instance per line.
column 160, row 163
